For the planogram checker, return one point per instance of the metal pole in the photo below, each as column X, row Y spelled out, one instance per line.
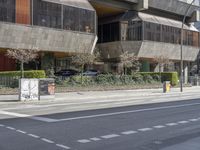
column 183, row 22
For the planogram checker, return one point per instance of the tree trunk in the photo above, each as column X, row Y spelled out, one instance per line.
column 22, row 69
column 82, row 67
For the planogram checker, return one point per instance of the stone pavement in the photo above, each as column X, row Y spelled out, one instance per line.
column 76, row 101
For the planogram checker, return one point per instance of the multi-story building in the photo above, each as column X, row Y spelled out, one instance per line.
column 58, row 28
column 149, row 29
column 62, row 28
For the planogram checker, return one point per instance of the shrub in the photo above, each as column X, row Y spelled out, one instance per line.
column 148, row 78
column 137, row 77
column 27, row 74
column 165, row 76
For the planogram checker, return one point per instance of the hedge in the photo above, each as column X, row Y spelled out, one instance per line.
column 110, row 79
column 27, row 74
column 165, row 76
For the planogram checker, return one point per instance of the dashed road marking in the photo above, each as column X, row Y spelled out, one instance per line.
column 1, row 125
column 159, row 127
column 63, row 146
column 193, row 120
column 183, row 122
column 34, row 136
column 129, row 132
column 47, row 140
column 95, row 139
column 84, row 141
column 11, row 128
column 145, row 129
column 20, row 131
column 110, row 136
column 172, row 124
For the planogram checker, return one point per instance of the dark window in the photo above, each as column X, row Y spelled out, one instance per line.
column 135, row 31
column 46, row 14
column 7, row 10
column 109, row 32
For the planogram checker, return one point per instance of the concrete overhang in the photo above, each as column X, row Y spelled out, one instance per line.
column 148, row 50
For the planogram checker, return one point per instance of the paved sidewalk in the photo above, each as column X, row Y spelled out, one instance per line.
column 79, row 101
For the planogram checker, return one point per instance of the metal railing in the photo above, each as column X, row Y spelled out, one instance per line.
column 194, row 80
column 6, row 81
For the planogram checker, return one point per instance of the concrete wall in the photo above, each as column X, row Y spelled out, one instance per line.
column 148, row 49
column 45, row 39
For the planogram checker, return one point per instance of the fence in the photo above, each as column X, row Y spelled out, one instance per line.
column 6, row 81
column 194, row 80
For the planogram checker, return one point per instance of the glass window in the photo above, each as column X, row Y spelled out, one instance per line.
column 46, row 14
column 7, row 10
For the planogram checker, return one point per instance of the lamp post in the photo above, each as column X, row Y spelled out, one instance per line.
column 183, row 22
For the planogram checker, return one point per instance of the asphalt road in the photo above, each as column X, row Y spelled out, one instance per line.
column 164, row 126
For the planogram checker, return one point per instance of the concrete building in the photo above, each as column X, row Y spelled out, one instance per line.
column 62, row 28
column 58, row 28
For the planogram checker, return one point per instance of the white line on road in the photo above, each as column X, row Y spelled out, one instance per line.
column 194, row 120
column 20, row 131
column 34, row 136
column 11, row 128
column 129, row 132
column 145, row 129
column 47, row 140
column 159, row 127
column 84, row 141
column 110, row 136
column 183, row 122
column 95, row 139
column 62, row 146
column 126, row 112
column 1, row 125
column 172, row 124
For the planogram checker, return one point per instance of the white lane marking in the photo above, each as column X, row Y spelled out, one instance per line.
column 20, row 131
column 62, row 146
column 172, row 124
column 110, row 136
column 159, row 127
column 183, row 122
column 47, row 140
column 126, row 112
column 194, row 120
column 84, row 141
column 95, row 139
column 28, row 116
column 34, row 136
column 129, row 132
column 1, row 125
column 145, row 129
column 11, row 128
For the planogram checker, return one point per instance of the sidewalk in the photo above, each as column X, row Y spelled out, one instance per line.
column 78, row 101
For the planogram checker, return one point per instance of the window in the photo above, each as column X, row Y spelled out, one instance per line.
column 46, row 14
column 7, row 10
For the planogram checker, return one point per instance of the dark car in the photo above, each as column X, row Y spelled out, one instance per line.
column 66, row 73
column 91, row 72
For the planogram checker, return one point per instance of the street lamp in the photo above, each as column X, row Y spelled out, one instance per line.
column 183, row 22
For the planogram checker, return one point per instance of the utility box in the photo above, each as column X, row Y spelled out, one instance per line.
column 47, row 89
column 37, row 89
column 29, row 89
column 166, row 86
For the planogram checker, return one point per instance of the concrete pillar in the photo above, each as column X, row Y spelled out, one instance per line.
column 186, row 72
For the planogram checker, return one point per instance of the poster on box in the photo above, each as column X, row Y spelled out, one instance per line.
column 29, row 89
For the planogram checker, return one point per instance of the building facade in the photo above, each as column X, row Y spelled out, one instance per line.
column 62, row 28
column 57, row 28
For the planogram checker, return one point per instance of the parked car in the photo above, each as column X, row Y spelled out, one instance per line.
column 66, row 73
column 91, row 73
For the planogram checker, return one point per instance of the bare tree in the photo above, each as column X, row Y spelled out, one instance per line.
column 162, row 61
column 129, row 60
column 23, row 56
column 81, row 60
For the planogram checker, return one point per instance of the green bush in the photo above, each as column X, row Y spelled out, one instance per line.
column 27, row 74
column 165, row 76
